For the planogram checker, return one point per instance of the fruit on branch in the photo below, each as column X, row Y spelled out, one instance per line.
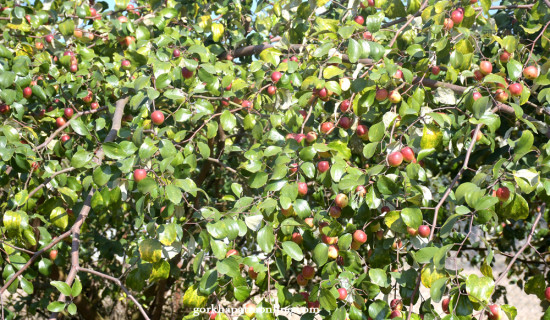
column 212, row 315
column 271, row 90
column 323, row 166
column 322, row 93
column 370, row 3
column 445, row 305
column 297, row 238
column 478, row 75
column 385, row 209
column 547, row 294
column 335, row 212
column 186, row 73
column 436, row 70
column 94, row 105
column 60, row 122
column 4, row 108
column 288, row 212
column 308, row 272
column 424, row 231
column 478, row 137
column 139, row 174
column 252, row 274
column 485, row 67
column 448, row 24
column 503, row 193
column 127, row 41
column 332, row 252
column 73, row 68
column 232, row 252
column 505, row 56
column 396, row 304
column 157, row 117
column 395, row 97
column 328, row 240
column 247, row 104
column 368, row 36
column 125, row 64
column 408, row 154
column 476, row 95
column 276, row 76
column 309, row 222
column 49, row 38
column 395, row 314
column 122, row 19
column 380, row 234
column 65, row 138
column 457, row 15
column 362, row 132
column 395, row 159
column 302, row 282
column 311, row 137
column 501, row 96
column 303, row 113
column 302, row 188
column 341, row 200
column 345, row 123
column 68, row 112
column 531, row 72
column 327, row 127
column 381, row 94
column 412, row 231
column 176, row 53
column 342, row 294
column 360, row 236
column 250, row 310
column 398, row 74
column 27, row 92
column 359, row 19
column 53, row 254
column 361, row 191
column 515, row 89
column 494, row 312
column 344, row 106
column 397, row 245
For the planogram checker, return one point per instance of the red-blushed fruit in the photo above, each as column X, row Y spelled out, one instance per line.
column 125, row 64
column 515, row 89
column 252, row 274
column 424, row 231
column 412, row 231
column 68, row 112
column 395, row 96
column 397, row 245
column 505, row 56
column 65, row 138
column 531, row 72
column 49, row 38
column 494, row 312
column 380, row 234
column 478, row 75
column 335, row 212
column 457, row 16
column 328, row 240
column 311, row 137
column 448, row 24
column 323, row 166
column 476, row 95
column 299, row 137
column 139, row 174
column 309, row 222
column 246, row 104
column 271, row 90
column 229, row 57
column 332, row 252
column 313, row 305
column 287, row 212
column 385, row 209
column 395, row 159
column 302, row 188
column 341, row 200
column 479, row 135
column 294, row 58
column 212, row 315
column 501, row 96
column 122, row 19
column 398, row 74
column 73, row 68
column 176, row 53
column 344, row 106
column 547, row 294
column 345, row 123
column 381, row 94
column 53, row 254
column 408, row 154
column 186, row 73
column 395, row 314
column 94, row 105
column 327, row 127
column 362, row 132
column 485, row 67
column 276, row 76
column 436, row 70
column 359, row 19
column 303, row 113
column 305, row 295
column 27, row 92
column 297, row 238
column 157, row 117
column 302, row 282
column 308, row 272
column 473, row 1
column 60, row 122
column 342, row 294
column 361, row 191
column 503, row 193
column 39, row 45
column 396, row 304
column 370, row 3
column 4, row 108
column 360, row 236
column 232, row 252
column 445, row 305
column 368, row 36
column 322, row 92
column 250, row 310
column 355, row 245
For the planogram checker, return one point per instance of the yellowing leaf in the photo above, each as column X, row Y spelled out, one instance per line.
column 217, row 31
column 59, row 218
column 430, row 275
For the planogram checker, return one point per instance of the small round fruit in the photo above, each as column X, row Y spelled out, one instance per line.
column 381, row 94
column 478, row 75
column 341, row 200
column 327, row 127
column 396, row 304
column 125, row 64
column 186, row 73
column 503, row 193
column 297, row 238
column 360, row 236
column 361, row 191
column 276, row 76
column 311, row 137
column 457, row 16
column 501, row 96
column 342, row 294
column 505, row 56
column 323, row 166
column 308, row 272
column 531, row 72
column 408, row 154
column 478, row 137
column 515, row 89
column 232, row 252
column 385, row 209
column 302, row 188
column 362, row 132
column 176, row 53
column 271, row 90
column 398, row 74
column 448, row 24
column 4, row 108
column 288, row 212
column 344, row 106
column 322, row 93
column 412, row 231
column 345, row 123
column 68, row 112
column 395, row 159
column 436, row 70
column 335, row 212
column 157, row 117
column 302, row 282
column 73, row 68
column 252, row 274
column 424, row 231
column 53, row 254
column 246, row 104
column 60, row 122
column 494, row 312
column 476, row 95
column 27, row 92
column 49, row 38
column 395, row 96
column 139, row 174
column 547, row 294
column 359, row 19
column 445, row 305
column 94, row 106
column 485, row 67
column 395, row 314
column 333, row 252
column 65, row 138
column 309, row 222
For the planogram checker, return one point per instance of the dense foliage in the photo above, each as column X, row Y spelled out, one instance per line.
column 167, row 155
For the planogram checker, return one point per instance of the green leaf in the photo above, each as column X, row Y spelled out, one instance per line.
column 293, row 250
column 62, row 287
column 320, row 254
column 354, row 51
column 71, row 309
column 150, row 250
column 77, row 288
column 266, row 239
column 81, row 158
column 173, row 194
column 479, row 289
column 514, row 69
column 228, row 120
column 379, row 277
column 56, row 306
column 438, row 289
column 412, row 217
column 331, row 72
column 377, row 132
